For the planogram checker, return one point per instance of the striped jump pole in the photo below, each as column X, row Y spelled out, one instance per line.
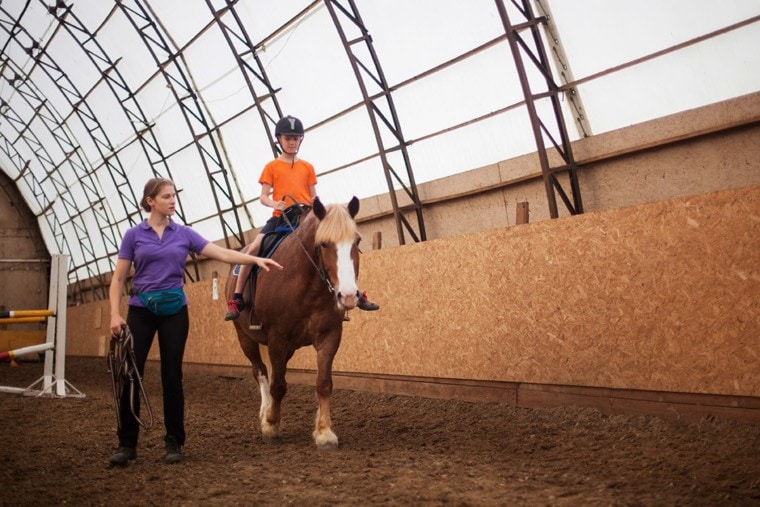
column 21, row 352
column 31, row 349
column 53, row 381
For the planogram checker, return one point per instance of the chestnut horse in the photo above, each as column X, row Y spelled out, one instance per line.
column 303, row 304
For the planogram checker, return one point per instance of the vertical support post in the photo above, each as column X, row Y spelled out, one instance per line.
column 52, row 321
column 61, row 261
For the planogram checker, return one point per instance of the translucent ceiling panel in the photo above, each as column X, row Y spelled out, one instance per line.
column 36, row 21
column 670, row 84
column 72, row 61
column 411, row 37
column 169, row 124
column 93, row 225
column 472, row 88
column 340, row 142
column 123, row 45
column 716, row 69
column 180, row 18
column 360, row 180
column 310, row 65
column 247, row 149
column 192, row 182
column 215, row 72
column 114, row 122
column 489, row 141
column 71, row 120
column 263, row 19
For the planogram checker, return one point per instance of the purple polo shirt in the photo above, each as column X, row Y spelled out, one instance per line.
column 159, row 263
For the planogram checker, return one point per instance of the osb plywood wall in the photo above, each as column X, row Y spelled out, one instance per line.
column 662, row 296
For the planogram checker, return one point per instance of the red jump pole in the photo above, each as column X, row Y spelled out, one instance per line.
column 26, row 350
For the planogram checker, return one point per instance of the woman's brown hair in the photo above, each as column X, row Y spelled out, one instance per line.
column 152, row 188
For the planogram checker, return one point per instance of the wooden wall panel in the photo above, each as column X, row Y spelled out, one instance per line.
column 657, row 297
column 662, row 296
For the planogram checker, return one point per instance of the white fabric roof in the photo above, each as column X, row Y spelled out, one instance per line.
column 99, row 96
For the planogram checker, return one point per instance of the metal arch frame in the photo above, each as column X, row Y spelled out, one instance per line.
column 79, row 107
column 96, row 202
column 113, row 78
column 152, row 35
column 540, row 60
column 249, row 48
column 239, row 35
column 50, row 167
column 351, row 13
column 134, row 114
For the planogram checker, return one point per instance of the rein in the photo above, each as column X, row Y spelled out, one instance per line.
column 321, row 268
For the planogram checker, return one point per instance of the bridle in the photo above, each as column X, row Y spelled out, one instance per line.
column 320, row 266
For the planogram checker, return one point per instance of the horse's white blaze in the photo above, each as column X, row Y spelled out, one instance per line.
column 346, row 276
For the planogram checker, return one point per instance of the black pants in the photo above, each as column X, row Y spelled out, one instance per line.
column 172, row 336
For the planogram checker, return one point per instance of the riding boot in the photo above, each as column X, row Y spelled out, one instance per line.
column 365, row 304
column 234, row 307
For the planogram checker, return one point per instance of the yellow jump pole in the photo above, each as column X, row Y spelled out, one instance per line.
column 26, row 313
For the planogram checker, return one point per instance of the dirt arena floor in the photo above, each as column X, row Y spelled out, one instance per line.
column 393, row 450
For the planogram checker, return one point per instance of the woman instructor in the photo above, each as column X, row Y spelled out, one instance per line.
column 158, row 248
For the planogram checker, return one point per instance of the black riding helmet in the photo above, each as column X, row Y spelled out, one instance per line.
column 289, row 125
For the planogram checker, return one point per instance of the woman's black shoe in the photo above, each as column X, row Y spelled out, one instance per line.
column 122, row 456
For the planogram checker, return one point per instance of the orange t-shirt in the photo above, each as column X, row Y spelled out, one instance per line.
column 292, row 181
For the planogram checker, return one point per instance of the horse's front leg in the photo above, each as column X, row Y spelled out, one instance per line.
column 323, row 434
column 252, row 351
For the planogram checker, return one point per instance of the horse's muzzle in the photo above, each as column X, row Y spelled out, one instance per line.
column 346, row 301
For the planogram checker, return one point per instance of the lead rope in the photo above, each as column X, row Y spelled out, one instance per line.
column 122, row 366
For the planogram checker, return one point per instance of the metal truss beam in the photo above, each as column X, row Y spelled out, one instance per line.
column 252, row 70
column 382, row 114
column 141, row 126
column 169, row 64
column 22, row 84
column 543, row 127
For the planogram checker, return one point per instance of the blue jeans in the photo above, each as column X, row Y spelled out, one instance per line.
column 172, row 337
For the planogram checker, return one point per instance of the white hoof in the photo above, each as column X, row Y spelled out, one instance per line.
column 326, row 440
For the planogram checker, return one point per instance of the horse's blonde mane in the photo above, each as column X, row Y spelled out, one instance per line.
column 337, row 226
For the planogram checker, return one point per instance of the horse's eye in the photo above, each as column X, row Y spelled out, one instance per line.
column 323, row 245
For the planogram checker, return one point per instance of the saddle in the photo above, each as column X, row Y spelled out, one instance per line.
column 287, row 222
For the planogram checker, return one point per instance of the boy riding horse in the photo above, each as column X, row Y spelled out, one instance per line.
column 287, row 175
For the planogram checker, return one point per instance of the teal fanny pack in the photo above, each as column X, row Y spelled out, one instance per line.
column 163, row 302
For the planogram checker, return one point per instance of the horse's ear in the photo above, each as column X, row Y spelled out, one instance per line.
column 318, row 208
column 353, row 206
